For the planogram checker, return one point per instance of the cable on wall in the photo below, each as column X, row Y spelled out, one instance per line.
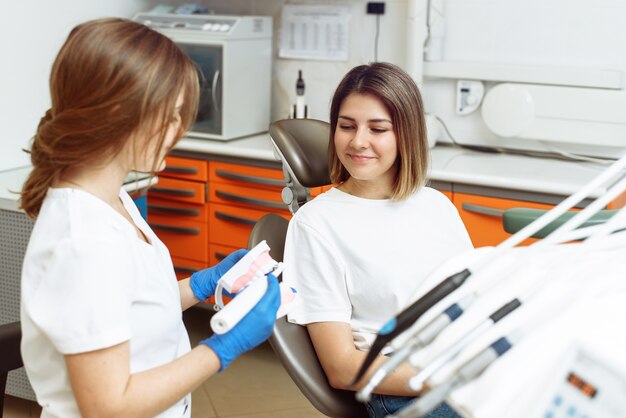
column 376, row 8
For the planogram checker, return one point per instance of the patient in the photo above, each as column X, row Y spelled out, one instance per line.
column 357, row 252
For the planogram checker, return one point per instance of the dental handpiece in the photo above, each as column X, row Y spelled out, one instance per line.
column 422, row 338
column 417, row 382
column 410, row 315
column 474, row 367
column 464, row 374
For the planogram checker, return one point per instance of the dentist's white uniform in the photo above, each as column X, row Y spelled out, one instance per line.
column 90, row 283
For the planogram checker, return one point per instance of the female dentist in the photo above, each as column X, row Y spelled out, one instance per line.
column 101, row 309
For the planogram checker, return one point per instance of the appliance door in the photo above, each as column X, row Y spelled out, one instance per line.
column 209, row 63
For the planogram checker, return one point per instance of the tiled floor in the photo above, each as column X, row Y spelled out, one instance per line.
column 253, row 386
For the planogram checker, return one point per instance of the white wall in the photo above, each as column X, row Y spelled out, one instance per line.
column 321, row 77
column 31, row 34
column 561, row 34
column 30, row 43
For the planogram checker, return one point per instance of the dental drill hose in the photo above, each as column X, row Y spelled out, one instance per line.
column 464, row 374
column 423, row 337
column 406, row 318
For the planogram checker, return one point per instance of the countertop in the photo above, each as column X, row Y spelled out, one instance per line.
column 255, row 147
column 448, row 164
column 11, row 182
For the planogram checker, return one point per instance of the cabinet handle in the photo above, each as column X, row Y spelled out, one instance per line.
column 483, row 210
column 250, row 200
column 177, row 169
column 220, row 256
column 172, row 210
column 250, row 179
column 177, row 229
column 216, row 103
column 237, row 219
column 174, row 192
column 185, row 270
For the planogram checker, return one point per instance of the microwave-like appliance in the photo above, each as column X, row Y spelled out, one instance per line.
column 233, row 55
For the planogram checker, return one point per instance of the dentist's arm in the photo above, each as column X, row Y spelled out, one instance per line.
column 341, row 360
column 104, row 387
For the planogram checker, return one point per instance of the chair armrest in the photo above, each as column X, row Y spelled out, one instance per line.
column 517, row 218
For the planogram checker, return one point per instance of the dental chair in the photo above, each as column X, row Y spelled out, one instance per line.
column 10, row 356
column 302, row 144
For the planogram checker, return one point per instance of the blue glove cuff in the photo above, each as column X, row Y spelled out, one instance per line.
column 195, row 287
column 221, row 350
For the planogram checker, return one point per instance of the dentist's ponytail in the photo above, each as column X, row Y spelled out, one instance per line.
column 112, row 81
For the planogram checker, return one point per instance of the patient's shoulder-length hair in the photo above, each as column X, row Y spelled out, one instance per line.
column 402, row 99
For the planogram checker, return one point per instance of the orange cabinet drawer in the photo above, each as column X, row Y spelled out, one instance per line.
column 179, row 210
column 185, row 268
column 264, row 199
column 185, row 168
column 245, row 175
column 186, row 239
column 180, row 190
column 231, row 225
column 482, row 217
column 316, row 191
column 218, row 252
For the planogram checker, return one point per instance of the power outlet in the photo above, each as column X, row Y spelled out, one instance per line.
column 375, row 7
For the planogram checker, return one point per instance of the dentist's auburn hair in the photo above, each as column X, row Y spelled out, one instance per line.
column 399, row 94
column 114, row 81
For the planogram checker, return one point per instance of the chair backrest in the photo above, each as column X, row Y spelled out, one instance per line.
column 302, row 145
column 292, row 343
column 10, row 356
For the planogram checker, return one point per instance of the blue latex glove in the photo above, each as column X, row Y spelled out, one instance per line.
column 252, row 330
column 204, row 282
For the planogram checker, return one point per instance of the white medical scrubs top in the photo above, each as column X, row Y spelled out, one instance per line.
column 359, row 261
column 89, row 282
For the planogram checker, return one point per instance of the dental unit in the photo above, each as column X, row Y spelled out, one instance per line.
column 405, row 319
column 407, row 335
column 472, row 368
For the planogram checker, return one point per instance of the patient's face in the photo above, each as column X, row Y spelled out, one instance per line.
column 365, row 141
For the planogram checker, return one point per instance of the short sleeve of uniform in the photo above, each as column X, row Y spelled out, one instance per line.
column 315, row 270
column 82, row 301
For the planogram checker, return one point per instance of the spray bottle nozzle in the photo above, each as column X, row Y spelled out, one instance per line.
column 300, row 84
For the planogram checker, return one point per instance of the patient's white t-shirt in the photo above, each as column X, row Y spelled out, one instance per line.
column 89, row 282
column 359, row 260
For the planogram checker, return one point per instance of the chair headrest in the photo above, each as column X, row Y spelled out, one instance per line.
column 303, row 144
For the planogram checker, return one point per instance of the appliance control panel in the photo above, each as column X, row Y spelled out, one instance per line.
column 239, row 27
column 587, row 388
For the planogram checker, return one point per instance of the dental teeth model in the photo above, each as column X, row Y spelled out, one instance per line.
column 248, row 280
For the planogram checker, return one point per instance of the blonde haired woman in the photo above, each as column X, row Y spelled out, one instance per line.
column 101, row 309
column 357, row 252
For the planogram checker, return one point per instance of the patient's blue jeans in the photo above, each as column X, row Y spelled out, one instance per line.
column 380, row 406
